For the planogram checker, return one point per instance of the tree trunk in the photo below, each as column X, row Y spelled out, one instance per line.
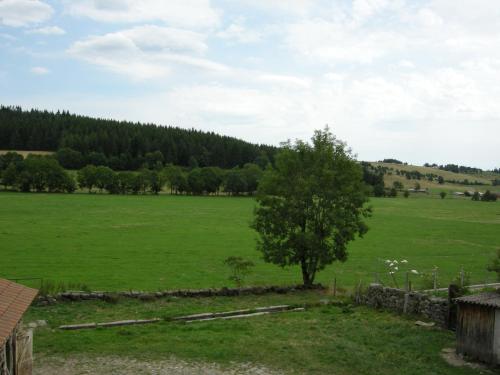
column 306, row 277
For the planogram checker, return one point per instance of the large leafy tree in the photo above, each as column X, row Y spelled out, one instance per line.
column 311, row 204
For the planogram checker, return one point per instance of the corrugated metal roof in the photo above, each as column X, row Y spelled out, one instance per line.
column 490, row 299
column 14, row 301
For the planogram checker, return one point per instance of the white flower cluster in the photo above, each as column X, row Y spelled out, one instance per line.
column 395, row 264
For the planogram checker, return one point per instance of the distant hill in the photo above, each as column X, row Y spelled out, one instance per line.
column 123, row 144
column 429, row 177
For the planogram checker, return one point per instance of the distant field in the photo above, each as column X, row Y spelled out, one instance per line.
column 153, row 242
column 433, row 186
column 26, row 153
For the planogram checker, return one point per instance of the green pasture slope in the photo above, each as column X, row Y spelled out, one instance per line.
column 156, row 242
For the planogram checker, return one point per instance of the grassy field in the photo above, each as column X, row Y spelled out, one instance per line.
column 157, row 242
column 321, row 340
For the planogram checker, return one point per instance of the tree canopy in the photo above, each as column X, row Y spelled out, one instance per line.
column 122, row 145
column 311, row 204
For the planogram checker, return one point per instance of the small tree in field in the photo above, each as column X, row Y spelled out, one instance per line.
column 398, row 185
column 311, row 205
column 488, row 196
column 240, row 268
column 87, row 177
column 442, row 194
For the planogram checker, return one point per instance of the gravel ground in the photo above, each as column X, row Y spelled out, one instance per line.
column 80, row 365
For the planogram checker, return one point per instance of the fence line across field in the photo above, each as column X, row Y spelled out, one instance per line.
column 378, row 276
column 436, row 276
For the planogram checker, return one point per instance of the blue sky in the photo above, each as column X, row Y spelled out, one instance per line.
column 414, row 80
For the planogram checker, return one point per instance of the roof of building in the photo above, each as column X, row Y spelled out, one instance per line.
column 490, row 299
column 14, row 301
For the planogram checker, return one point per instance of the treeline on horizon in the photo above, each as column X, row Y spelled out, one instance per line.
column 123, row 145
column 37, row 173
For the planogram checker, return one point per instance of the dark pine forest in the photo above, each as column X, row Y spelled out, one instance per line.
column 123, row 145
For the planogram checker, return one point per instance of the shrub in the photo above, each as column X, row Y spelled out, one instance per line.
column 397, row 185
column 442, row 194
column 393, row 192
column 489, row 197
column 111, row 298
column 462, row 282
column 427, row 281
column 50, row 287
column 239, row 268
column 494, row 266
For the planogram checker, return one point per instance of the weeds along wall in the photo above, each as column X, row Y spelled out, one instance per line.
column 413, row 303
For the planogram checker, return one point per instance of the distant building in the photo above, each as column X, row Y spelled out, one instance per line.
column 478, row 327
column 471, row 193
column 15, row 345
column 418, row 190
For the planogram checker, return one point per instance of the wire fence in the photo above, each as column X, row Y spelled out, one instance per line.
column 433, row 279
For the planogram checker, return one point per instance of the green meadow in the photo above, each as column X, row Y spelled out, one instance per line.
column 148, row 242
column 332, row 339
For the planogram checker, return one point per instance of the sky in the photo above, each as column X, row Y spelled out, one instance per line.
column 414, row 80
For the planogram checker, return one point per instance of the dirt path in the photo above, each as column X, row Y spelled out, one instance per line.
column 80, row 365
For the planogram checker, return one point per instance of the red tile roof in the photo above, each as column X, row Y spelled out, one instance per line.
column 14, row 301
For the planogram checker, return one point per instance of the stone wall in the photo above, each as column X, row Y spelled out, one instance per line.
column 150, row 296
column 400, row 301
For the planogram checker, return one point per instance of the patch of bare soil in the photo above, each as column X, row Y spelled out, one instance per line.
column 80, row 365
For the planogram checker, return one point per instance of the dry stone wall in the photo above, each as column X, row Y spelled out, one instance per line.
column 189, row 293
column 400, row 301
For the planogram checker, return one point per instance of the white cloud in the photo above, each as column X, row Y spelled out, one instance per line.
column 239, row 33
column 406, row 64
column 364, row 9
column 284, row 80
column 184, row 13
column 428, row 18
column 18, row 13
column 294, row 7
column 145, row 52
column 331, row 42
column 39, row 70
column 47, row 30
